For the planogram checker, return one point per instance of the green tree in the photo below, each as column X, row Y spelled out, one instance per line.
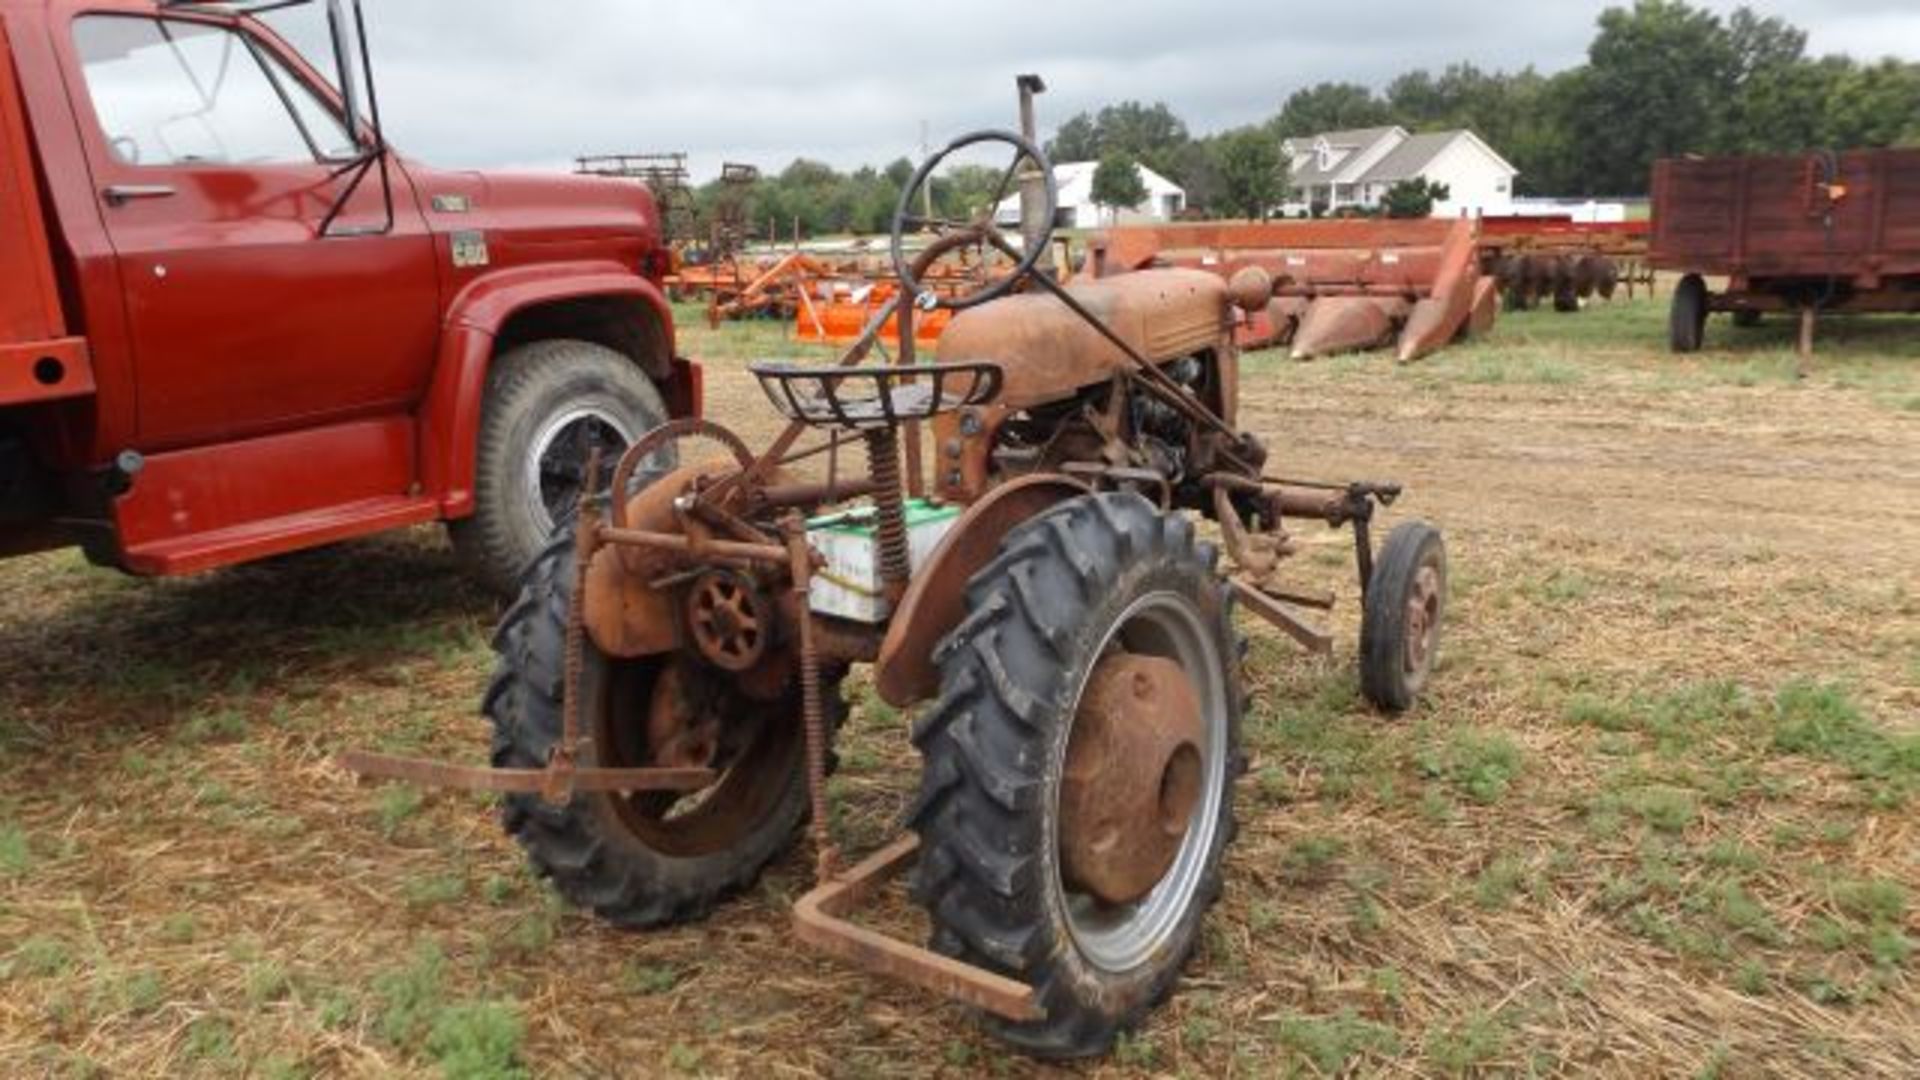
column 1253, row 177
column 1414, row 198
column 1874, row 105
column 965, row 190
column 1777, row 98
column 1117, row 184
column 1329, row 107
column 1149, row 134
column 1655, row 85
column 1077, row 140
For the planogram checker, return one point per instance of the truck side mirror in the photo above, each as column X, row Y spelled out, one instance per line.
column 346, row 73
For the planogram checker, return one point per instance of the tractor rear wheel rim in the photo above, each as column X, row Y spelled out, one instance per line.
column 1121, row 937
column 557, row 463
column 757, row 753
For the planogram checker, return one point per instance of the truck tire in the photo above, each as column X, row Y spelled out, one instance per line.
column 1406, row 606
column 1687, row 322
column 641, row 860
column 547, row 403
column 1093, row 578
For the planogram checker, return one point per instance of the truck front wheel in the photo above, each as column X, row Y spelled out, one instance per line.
column 549, row 405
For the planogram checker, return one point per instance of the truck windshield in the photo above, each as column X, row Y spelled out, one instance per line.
column 176, row 92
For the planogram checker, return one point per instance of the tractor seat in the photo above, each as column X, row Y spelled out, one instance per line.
column 864, row 398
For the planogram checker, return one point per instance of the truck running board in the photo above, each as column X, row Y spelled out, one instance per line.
column 822, row 919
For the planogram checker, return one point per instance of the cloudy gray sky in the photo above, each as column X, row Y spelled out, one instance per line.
column 494, row 83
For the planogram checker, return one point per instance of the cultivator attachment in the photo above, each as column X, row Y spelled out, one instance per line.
column 1025, row 496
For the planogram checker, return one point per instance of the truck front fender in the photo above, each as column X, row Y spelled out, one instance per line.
column 451, row 412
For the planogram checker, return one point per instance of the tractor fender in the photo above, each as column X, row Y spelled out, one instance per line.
column 936, row 600
column 450, row 414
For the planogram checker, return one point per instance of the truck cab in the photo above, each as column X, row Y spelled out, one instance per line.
column 241, row 324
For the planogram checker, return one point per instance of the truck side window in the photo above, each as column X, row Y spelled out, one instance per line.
column 173, row 92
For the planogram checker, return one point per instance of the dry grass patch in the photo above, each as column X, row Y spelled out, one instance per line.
column 1656, row 817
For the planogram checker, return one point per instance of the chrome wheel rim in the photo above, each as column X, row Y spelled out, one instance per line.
column 1121, row 937
column 557, row 464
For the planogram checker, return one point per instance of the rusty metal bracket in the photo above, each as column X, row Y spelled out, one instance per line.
column 1117, row 475
column 821, row 919
column 555, row 783
column 1273, row 610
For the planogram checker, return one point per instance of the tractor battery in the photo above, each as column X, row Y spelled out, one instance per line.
column 848, row 587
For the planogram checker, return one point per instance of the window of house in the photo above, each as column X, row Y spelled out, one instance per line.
column 172, row 92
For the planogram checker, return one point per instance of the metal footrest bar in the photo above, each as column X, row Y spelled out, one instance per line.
column 822, row 920
column 560, row 780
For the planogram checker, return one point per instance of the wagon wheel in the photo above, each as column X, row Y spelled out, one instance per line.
column 1687, row 321
column 979, row 233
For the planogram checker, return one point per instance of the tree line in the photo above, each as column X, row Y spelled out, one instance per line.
column 1662, row 78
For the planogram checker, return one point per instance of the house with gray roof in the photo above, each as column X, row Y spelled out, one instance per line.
column 1337, row 169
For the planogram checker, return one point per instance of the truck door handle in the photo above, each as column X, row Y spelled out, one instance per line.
column 122, row 194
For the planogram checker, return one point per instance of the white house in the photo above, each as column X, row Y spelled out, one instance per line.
column 1337, row 169
column 1164, row 202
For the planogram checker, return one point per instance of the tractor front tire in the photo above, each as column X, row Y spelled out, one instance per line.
column 1687, row 321
column 1405, row 610
column 1092, row 579
column 641, row 860
column 547, row 405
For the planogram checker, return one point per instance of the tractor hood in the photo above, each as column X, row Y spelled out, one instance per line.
column 541, row 217
column 1049, row 353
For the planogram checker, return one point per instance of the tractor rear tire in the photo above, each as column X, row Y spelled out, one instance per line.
column 641, row 860
column 1687, row 321
column 1405, row 612
column 1089, row 577
column 547, row 403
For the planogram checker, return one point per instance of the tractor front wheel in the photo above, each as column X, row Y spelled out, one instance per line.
column 1406, row 604
column 645, row 859
column 1076, row 792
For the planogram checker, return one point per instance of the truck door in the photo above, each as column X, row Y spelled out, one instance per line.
column 216, row 161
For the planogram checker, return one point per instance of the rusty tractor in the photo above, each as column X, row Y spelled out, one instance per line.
column 1018, row 561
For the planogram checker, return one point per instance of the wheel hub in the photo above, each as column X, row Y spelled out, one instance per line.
column 1134, row 773
column 679, row 732
column 1423, row 618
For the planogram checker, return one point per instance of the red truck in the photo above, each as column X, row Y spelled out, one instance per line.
column 234, row 323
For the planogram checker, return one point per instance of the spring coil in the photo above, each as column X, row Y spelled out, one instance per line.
column 889, row 498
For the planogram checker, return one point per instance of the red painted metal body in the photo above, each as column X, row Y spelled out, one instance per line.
column 1853, row 216
column 282, row 388
column 1406, row 281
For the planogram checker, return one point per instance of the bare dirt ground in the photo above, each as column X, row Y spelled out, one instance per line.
column 1657, row 817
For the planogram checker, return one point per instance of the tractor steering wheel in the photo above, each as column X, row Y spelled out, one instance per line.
column 980, row 231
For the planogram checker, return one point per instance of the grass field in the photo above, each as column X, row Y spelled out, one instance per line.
column 1656, row 818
